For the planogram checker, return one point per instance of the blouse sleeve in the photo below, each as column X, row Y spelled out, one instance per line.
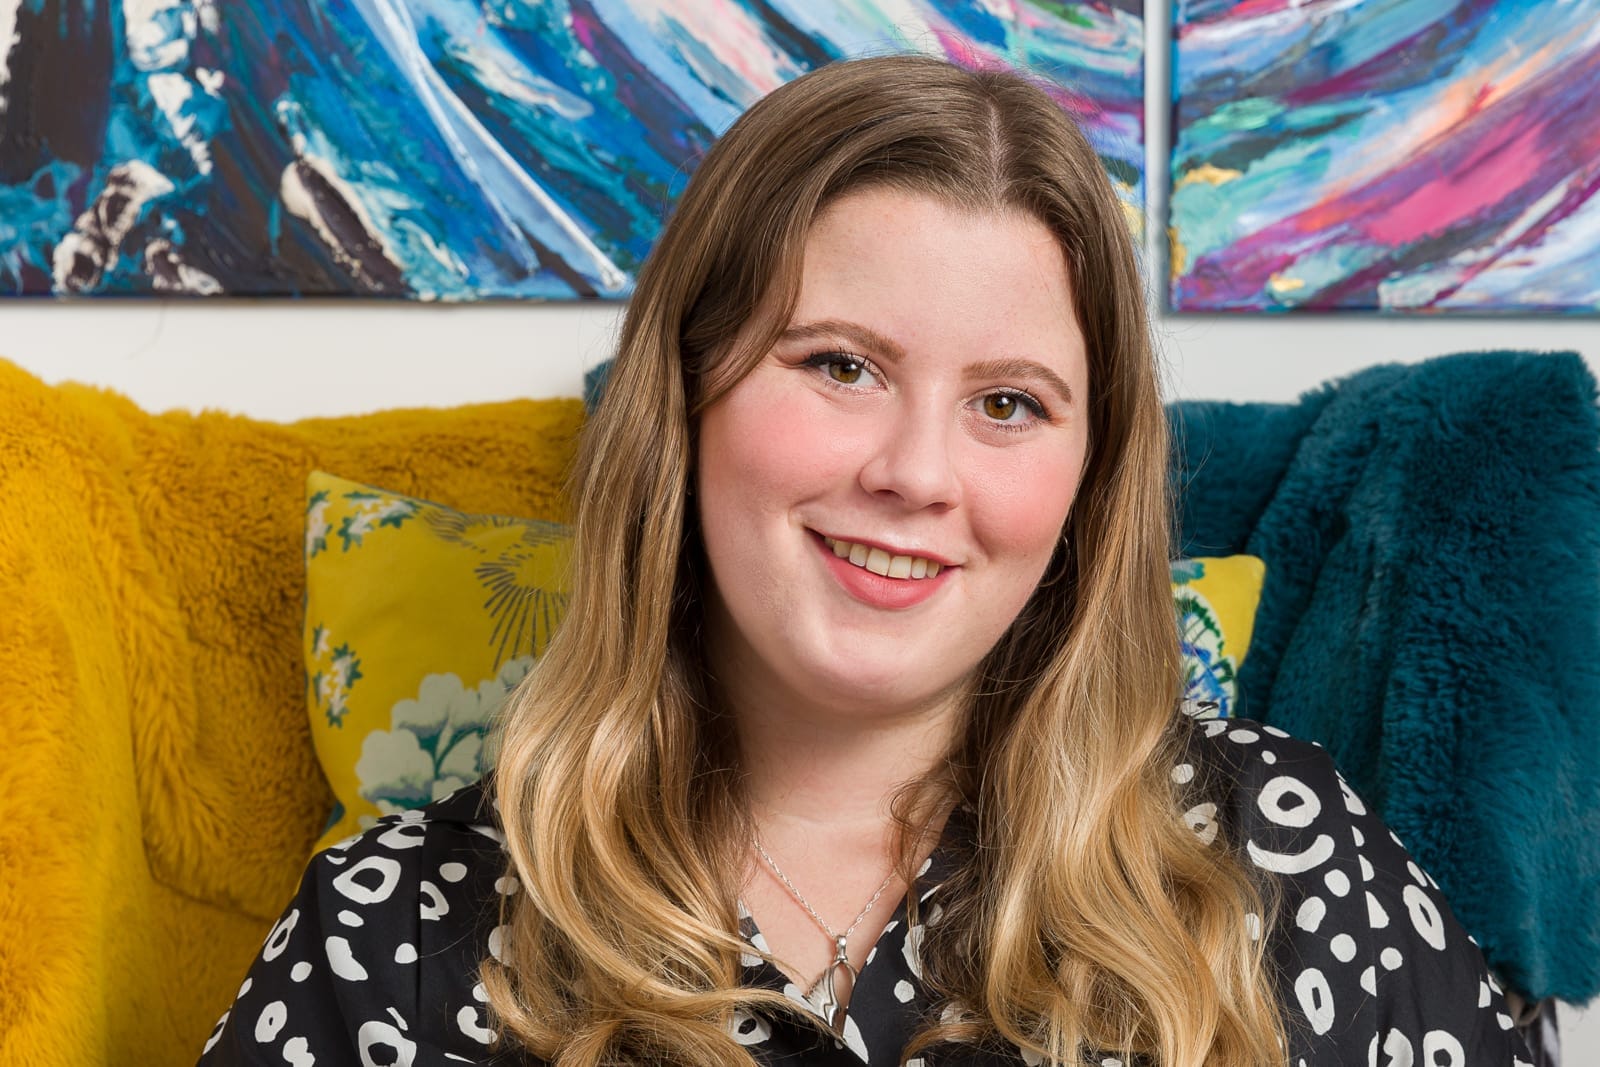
column 1373, row 966
column 379, row 927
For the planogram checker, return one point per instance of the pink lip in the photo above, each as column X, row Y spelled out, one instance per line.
column 874, row 590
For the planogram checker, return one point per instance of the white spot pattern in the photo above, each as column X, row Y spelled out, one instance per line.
column 297, row 1053
column 277, row 941
column 270, row 1021
column 1288, row 801
column 343, row 961
column 1202, row 819
column 1425, row 917
column 353, row 884
column 1316, row 999
column 748, row 1029
column 398, row 1050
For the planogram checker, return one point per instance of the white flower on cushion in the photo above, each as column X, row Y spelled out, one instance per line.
column 394, row 771
column 436, row 742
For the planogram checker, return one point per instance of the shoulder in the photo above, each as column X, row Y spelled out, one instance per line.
column 1277, row 797
column 435, row 861
column 380, row 947
column 1368, row 954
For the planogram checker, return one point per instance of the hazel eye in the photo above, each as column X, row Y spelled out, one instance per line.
column 842, row 368
column 845, row 371
column 1001, row 407
column 1011, row 409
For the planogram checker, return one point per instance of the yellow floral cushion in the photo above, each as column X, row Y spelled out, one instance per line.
column 1216, row 598
column 419, row 620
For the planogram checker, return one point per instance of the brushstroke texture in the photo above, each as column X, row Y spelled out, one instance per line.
column 442, row 149
column 1439, row 155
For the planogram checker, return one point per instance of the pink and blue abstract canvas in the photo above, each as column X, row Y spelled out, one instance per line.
column 441, row 149
column 1426, row 155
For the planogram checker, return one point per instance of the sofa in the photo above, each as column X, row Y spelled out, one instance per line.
column 1431, row 613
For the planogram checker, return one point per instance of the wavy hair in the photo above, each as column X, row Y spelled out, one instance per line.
column 1087, row 916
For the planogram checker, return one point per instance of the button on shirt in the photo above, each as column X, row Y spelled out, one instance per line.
column 376, row 959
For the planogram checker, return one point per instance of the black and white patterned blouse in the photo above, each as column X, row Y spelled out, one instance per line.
column 375, row 960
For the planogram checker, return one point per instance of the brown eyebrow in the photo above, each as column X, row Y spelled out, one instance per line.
column 871, row 342
column 1021, row 368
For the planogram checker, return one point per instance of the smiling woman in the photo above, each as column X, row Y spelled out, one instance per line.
column 881, row 423
column 861, row 740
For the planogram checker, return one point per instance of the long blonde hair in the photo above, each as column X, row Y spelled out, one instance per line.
column 1087, row 915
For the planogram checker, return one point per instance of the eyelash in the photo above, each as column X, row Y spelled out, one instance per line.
column 833, row 358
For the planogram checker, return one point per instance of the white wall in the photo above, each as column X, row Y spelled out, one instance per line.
column 288, row 360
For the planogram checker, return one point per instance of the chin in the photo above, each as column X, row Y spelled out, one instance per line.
column 875, row 697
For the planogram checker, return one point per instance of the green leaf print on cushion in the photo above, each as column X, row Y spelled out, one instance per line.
column 373, row 511
column 338, row 670
column 436, row 742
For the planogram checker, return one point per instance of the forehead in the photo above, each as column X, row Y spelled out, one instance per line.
column 941, row 279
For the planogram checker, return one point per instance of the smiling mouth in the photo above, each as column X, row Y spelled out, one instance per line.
column 878, row 561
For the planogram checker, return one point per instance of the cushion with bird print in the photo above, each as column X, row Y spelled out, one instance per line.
column 419, row 620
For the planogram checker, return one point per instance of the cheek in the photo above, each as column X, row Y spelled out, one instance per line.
column 1020, row 509
column 757, row 453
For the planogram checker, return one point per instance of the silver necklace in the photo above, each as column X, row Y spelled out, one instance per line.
column 832, row 1009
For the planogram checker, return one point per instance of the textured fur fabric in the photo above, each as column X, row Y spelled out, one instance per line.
column 1432, row 616
column 159, row 794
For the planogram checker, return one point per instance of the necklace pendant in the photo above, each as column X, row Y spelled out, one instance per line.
column 831, row 1006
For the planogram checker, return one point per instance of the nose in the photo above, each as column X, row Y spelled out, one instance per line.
column 914, row 460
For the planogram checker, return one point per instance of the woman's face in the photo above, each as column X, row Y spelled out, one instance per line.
column 881, row 495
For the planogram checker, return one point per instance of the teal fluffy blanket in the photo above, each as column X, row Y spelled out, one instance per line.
column 1431, row 615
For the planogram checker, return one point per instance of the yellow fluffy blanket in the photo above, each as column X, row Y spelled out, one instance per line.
column 159, row 794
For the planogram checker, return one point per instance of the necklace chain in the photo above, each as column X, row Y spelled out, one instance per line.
column 820, row 921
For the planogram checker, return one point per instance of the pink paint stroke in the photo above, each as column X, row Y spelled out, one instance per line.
column 1489, row 167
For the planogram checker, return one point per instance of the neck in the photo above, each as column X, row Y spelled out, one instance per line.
column 840, row 776
column 811, row 765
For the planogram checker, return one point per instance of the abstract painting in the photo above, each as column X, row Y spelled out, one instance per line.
column 1426, row 155
column 441, row 149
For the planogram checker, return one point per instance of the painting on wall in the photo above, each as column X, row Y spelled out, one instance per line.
column 1417, row 155
column 441, row 149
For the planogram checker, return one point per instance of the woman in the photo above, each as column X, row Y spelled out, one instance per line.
column 860, row 743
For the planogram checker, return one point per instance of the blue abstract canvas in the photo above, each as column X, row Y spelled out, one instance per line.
column 440, row 149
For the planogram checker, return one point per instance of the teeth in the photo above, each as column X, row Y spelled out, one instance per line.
column 878, row 561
